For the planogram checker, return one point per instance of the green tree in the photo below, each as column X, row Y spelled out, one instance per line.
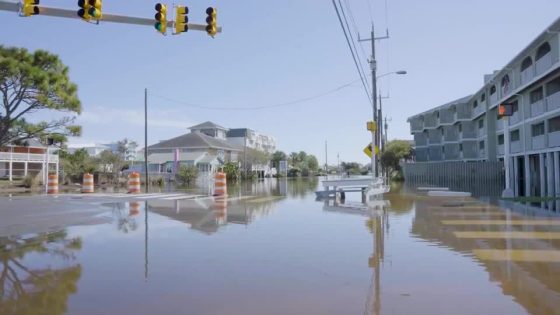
column 232, row 170
column 312, row 163
column 126, row 149
column 277, row 157
column 294, row 159
column 31, row 83
column 186, row 175
column 401, row 148
column 74, row 165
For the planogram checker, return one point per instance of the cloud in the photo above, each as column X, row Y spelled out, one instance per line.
column 102, row 115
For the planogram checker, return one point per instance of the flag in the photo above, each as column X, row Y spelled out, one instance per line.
column 176, row 161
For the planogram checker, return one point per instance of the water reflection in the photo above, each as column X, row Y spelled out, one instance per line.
column 28, row 289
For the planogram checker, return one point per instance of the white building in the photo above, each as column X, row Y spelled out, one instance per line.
column 28, row 159
column 93, row 149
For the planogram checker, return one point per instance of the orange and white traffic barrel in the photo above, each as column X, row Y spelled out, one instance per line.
column 134, row 208
column 134, row 183
column 52, row 184
column 220, row 208
column 220, row 184
column 87, row 186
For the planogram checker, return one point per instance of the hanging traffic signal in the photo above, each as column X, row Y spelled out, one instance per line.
column 94, row 10
column 505, row 110
column 212, row 27
column 181, row 19
column 30, row 7
column 161, row 18
column 83, row 12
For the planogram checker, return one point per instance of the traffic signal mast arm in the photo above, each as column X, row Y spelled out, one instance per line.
column 113, row 18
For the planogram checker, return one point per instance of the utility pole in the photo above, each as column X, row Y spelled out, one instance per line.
column 245, row 154
column 146, row 189
column 373, row 65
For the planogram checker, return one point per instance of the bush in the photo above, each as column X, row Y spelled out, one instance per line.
column 186, row 175
column 232, row 171
column 294, row 172
column 157, row 181
column 30, row 181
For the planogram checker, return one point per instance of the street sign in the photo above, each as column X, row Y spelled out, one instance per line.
column 371, row 126
column 368, row 151
column 283, row 166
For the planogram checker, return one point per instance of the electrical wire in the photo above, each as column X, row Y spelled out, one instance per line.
column 298, row 101
column 353, row 20
column 352, row 52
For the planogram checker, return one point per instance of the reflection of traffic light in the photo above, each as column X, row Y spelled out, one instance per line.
column 161, row 18
column 181, row 19
column 505, row 110
column 30, row 7
column 212, row 27
column 95, row 9
column 83, row 12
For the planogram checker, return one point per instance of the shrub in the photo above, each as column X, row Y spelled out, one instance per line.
column 186, row 175
column 30, row 181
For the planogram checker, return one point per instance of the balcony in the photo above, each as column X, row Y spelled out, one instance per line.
column 493, row 98
column 451, row 134
column 553, row 139
column 537, row 108
column 447, row 116
column 27, row 157
column 430, row 121
column 538, row 142
column 500, row 124
column 527, row 75
column 515, row 118
column 416, row 125
column 479, row 110
column 515, row 147
column 481, row 132
column 435, row 139
column 463, row 112
column 553, row 101
column 422, row 155
column 501, row 149
column 543, row 64
column 469, row 150
column 435, row 153
column 420, row 140
column 452, row 152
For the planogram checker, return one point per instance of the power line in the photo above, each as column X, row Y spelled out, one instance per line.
column 298, row 101
column 353, row 20
column 370, row 10
column 351, row 51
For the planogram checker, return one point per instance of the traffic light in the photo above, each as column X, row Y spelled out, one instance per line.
column 83, row 12
column 181, row 19
column 212, row 27
column 30, row 7
column 161, row 18
column 95, row 9
column 505, row 110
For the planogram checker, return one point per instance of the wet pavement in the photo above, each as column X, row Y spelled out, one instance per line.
column 271, row 248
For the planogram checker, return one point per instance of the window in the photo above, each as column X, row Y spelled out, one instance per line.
column 460, row 147
column 554, row 124
column 543, row 50
column 482, row 97
column 553, row 87
column 514, row 107
column 460, row 128
column 527, row 62
column 500, row 139
column 505, row 84
column 514, row 135
column 536, row 95
column 481, row 145
column 475, row 104
column 493, row 90
column 481, row 124
column 537, row 130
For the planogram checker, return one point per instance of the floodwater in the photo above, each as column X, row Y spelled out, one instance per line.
column 273, row 249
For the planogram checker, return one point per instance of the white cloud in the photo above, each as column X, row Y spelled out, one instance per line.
column 99, row 115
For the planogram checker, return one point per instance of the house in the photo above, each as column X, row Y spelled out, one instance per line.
column 29, row 158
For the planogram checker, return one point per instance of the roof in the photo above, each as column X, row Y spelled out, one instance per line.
column 461, row 100
column 237, row 132
column 207, row 125
column 195, row 140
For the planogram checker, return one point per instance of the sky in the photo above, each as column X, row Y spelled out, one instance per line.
column 276, row 52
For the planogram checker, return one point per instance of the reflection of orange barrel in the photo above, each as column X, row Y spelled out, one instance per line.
column 52, row 184
column 220, row 188
column 134, row 208
column 87, row 186
column 220, row 207
column 134, row 183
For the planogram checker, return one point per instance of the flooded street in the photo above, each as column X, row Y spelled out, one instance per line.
column 271, row 248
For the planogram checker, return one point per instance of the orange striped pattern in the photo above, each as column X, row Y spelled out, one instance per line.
column 52, row 185
column 220, row 184
column 134, row 183
column 220, row 208
column 87, row 186
column 134, row 208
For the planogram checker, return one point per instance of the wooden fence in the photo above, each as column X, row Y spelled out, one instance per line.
column 480, row 178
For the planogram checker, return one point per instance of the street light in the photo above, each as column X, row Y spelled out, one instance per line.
column 378, row 120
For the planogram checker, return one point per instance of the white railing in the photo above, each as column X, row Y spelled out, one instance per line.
column 538, row 142
column 500, row 124
column 501, row 149
column 27, row 157
column 553, row 101
column 537, row 108
column 515, row 146
column 554, row 139
column 527, row 74
column 544, row 63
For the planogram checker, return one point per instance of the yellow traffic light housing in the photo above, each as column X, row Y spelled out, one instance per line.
column 95, row 11
column 181, row 19
column 30, row 7
column 371, row 126
column 83, row 12
column 211, row 21
column 161, row 18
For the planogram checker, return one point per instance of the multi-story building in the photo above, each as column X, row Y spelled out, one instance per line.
column 469, row 129
column 252, row 139
column 29, row 158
